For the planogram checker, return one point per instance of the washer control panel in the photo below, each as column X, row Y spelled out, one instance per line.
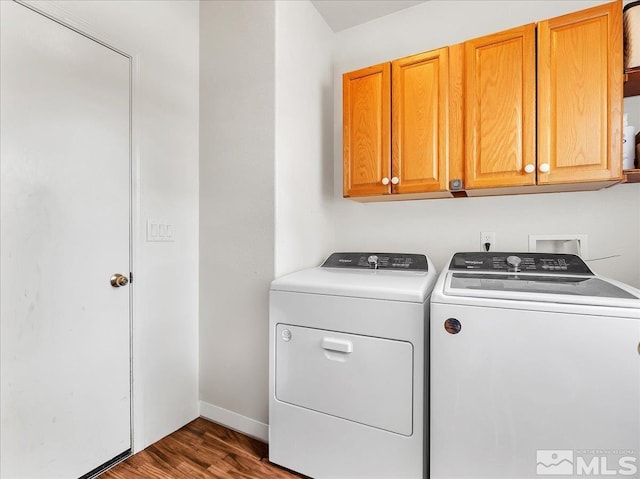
column 546, row 263
column 386, row 261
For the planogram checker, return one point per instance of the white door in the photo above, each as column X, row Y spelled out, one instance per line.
column 64, row 231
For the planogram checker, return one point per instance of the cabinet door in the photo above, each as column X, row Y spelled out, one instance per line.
column 420, row 122
column 580, row 96
column 500, row 109
column 366, row 131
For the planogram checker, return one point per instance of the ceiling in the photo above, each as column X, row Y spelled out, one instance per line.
column 342, row 14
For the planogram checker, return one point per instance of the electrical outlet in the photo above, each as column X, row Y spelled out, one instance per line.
column 487, row 241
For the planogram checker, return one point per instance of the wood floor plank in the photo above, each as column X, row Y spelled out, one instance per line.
column 201, row 450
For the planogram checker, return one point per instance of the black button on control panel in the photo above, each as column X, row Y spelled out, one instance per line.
column 529, row 262
column 387, row 261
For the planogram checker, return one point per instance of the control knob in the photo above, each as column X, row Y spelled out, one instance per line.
column 514, row 262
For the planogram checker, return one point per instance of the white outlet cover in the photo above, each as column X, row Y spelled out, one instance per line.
column 561, row 243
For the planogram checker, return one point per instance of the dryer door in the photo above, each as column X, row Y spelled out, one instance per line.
column 359, row 378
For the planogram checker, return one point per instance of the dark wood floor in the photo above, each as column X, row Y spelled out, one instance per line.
column 201, row 450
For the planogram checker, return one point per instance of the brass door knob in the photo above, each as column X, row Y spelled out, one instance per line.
column 118, row 280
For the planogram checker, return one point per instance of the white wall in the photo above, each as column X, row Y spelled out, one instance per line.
column 304, row 137
column 266, row 186
column 164, row 36
column 441, row 227
column 237, row 147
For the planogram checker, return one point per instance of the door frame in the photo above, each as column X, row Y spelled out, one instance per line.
column 54, row 12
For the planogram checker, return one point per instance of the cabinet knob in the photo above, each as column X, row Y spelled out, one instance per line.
column 544, row 168
column 529, row 168
column 395, row 180
column 385, row 181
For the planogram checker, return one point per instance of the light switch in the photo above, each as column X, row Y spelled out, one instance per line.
column 159, row 230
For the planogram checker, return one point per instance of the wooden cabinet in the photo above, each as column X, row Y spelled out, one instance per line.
column 366, row 131
column 533, row 109
column 580, row 96
column 424, row 97
column 421, row 121
column 500, row 109
column 578, row 101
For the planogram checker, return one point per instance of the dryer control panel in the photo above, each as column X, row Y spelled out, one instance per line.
column 546, row 263
column 386, row 261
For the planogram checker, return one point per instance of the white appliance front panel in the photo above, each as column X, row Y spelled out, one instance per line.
column 327, row 447
column 363, row 379
column 514, row 382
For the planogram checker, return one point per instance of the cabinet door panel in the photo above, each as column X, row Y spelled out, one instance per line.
column 366, row 130
column 500, row 120
column 420, row 122
column 580, row 95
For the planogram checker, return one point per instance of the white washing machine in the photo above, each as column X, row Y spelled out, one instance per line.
column 535, row 369
column 347, row 389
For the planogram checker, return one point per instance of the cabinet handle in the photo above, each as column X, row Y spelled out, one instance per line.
column 395, row 180
column 529, row 168
column 544, row 168
column 385, row 181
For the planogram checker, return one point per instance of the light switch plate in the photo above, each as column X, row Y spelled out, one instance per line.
column 159, row 231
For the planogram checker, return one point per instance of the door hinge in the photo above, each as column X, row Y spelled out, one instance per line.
column 130, row 277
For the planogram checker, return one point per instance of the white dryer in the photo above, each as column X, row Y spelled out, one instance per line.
column 535, row 369
column 347, row 392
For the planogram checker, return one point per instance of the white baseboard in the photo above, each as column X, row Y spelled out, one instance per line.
column 235, row 421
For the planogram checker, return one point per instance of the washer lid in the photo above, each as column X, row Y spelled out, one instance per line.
column 576, row 286
column 538, row 277
column 406, row 285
